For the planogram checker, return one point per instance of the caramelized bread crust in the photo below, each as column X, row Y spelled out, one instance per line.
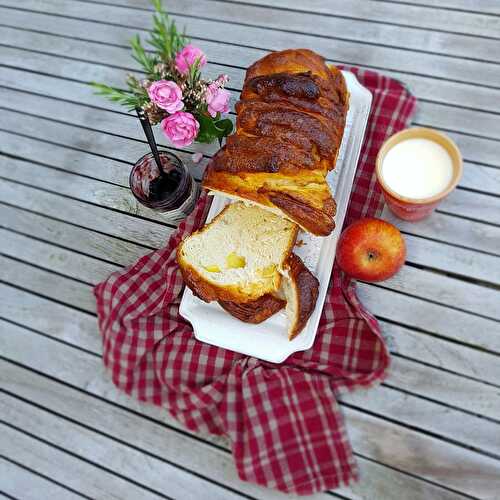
column 306, row 290
column 291, row 118
column 256, row 311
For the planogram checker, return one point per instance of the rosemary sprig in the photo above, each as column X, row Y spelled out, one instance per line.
column 165, row 37
column 126, row 98
column 147, row 61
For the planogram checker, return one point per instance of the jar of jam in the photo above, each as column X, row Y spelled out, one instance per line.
column 175, row 195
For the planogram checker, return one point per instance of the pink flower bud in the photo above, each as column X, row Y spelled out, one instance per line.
column 187, row 57
column 217, row 99
column 196, row 157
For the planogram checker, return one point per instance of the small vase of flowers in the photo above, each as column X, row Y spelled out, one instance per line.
column 173, row 93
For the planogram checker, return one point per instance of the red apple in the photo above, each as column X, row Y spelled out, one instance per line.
column 371, row 250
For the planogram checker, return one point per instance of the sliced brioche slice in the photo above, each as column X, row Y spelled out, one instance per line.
column 239, row 256
column 300, row 288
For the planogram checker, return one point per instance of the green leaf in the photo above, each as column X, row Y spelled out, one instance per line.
column 164, row 36
column 148, row 62
column 124, row 97
column 211, row 129
column 225, row 126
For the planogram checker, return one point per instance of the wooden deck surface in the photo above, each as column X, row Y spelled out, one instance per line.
column 67, row 219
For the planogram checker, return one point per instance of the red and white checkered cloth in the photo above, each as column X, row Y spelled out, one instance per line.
column 284, row 422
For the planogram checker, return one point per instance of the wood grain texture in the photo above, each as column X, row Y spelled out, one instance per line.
column 64, row 468
column 398, row 13
column 159, row 475
column 80, row 370
column 426, row 87
column 392, row 58
column 382, row 401
column 21, row 483
column 431, row 431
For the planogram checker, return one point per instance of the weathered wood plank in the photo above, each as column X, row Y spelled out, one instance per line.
column 452, row 230
column 424, row 456
column 21, row 483
column 484, row 6
column 333, row 28
column 468, row 204
column 434, row 318
column 131, row 428
column 392, row 58
column 73, row 265
column 452, row 424
column 429, row 113
column 45, row 315
column 83, row 214
column 477, row 177
column 66, row 469
column 434, row 90
column 395, row 13
column 75, row 186
column 73, row 367
column 447, row 291
column 440, row 353
column 47, row 284
column 60, row 233
column 159, row 475
column 453, row 259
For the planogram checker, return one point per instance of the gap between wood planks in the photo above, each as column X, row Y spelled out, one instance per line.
column 151, row 416
column 106, row 248
column 35, row 483
column 424, row 86
column 411, row 40
column 247, row 47
column 217, row 16
column 352, row 12
column 76, row 190
column 421, row 397
column 447, row 5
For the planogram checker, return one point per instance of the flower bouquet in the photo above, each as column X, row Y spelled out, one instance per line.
column 188, row 107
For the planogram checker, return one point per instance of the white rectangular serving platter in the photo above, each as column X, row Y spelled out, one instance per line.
column 268, row 340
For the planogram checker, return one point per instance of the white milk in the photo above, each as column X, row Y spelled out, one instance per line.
column 417, row 168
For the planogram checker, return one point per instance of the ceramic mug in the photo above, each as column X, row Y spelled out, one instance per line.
column 413, row 209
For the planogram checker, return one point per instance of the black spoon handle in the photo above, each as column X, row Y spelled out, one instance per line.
column 148, row 131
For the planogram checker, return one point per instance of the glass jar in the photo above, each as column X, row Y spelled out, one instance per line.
column 178, row 193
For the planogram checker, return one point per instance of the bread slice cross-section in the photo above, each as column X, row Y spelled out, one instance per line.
column 239, row 256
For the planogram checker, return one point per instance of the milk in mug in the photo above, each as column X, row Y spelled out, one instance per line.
column 417, row 168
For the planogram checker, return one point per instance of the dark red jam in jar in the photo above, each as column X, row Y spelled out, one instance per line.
column 175, row 196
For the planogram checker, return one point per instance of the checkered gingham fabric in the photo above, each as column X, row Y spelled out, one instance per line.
column 284, row 423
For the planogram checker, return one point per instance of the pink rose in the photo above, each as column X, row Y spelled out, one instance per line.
column 217, row 99
column 166, row 95
column 181, row 128
column 187, row 57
